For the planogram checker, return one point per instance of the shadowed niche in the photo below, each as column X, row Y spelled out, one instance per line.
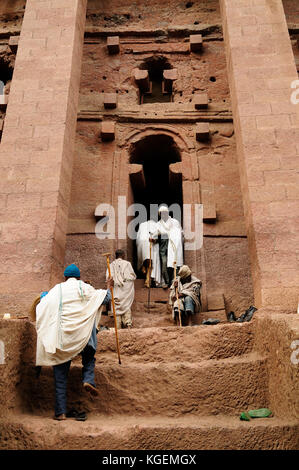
column 155, row 66
column 155, row 153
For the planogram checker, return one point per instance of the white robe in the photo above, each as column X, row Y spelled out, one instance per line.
column 64, row 321
column 172, row 228
column 146, row 230
column 123, row 290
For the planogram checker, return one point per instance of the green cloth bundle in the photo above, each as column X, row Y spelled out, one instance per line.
column 260, row 413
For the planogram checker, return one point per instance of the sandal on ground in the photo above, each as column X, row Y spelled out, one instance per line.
column 90, row 388
column 60, row 417
column 77, row 415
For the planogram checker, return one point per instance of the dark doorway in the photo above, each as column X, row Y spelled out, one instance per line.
column 155, row 153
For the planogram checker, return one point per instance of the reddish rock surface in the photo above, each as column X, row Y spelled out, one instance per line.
column 177, row 387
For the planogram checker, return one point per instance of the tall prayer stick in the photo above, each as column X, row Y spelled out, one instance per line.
column 149, row 277
column 113, row 306
column 176, row 292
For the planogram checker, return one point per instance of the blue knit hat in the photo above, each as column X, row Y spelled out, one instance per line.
column 72, row 271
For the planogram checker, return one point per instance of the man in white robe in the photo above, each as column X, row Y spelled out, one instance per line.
column 170, row 235
column 123, row 276
column 148, row 230
column 66, row 322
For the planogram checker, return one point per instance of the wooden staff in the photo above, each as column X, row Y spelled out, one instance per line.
column 113, row 307
column 149, row 277
column 176, row 292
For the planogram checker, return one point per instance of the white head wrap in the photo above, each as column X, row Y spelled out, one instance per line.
column 163, row 208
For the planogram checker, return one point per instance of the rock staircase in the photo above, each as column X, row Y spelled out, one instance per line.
column 177, row 388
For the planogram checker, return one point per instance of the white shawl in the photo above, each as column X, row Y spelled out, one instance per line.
column 123, row 290
column 64, row 321
column 172, row 228
column 147, row 229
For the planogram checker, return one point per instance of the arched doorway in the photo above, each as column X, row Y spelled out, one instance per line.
column 155, row 153
column 155, row 183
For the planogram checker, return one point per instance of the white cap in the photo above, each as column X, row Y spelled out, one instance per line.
column 163, row 208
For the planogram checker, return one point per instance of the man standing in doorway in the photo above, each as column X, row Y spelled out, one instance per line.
column 170, row 235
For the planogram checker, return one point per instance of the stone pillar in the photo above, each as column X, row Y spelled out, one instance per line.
column 36, row 151
column 261, row 69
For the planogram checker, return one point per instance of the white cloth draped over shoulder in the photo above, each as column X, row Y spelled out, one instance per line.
column 123, row 290
column 172, row 228
column 146, row 230
column 64, row 321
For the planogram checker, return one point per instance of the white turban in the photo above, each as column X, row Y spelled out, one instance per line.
column 163, row 209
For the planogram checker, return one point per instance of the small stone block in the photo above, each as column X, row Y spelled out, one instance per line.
column 169, row 76
column 113, row 44
column 142, row 80
column 202, row 131
column 3, row 102
column 201, row 101
column 195, row 42
column 14, row 43
column 110, row 100
column 108, row 130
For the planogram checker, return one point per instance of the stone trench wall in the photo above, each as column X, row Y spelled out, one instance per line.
column 146, row 31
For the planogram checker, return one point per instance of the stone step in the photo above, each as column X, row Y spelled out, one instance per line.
column 156, row 293
column 158, row 314
column 178, row 344
column 102, row 432
column 205, row 387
